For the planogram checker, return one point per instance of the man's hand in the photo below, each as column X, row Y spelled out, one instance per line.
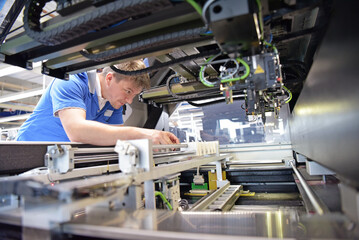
column 160, row 137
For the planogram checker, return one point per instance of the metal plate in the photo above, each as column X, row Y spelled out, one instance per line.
column 253, row 224
column 325, row 125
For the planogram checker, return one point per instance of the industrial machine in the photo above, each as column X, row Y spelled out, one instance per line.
column 284, row 68
column 230, row 34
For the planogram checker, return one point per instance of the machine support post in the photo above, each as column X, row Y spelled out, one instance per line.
column 150, row 195
column 220, row 181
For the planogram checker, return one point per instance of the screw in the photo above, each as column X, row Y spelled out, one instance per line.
column 29, row 66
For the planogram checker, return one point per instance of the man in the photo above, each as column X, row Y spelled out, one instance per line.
column 88, row 109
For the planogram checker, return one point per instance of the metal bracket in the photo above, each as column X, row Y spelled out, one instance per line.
column 220, row 181
column 60, row 158
column 128, row 156
column 287, row 161
column 300, row 158
column 314, row 168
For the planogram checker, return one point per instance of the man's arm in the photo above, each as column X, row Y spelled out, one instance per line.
column 78, row 129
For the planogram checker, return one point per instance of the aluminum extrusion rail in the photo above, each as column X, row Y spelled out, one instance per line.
column 109, row 154
column 112, row 150
column 173, row 157
column 221, row 200
column 95, row 158
column 95, row 150
column 167, row 146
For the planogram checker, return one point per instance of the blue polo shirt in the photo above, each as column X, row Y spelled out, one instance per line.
column 44, row 125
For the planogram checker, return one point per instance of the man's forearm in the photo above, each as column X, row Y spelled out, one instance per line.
column 78, row 129
column 97, row 133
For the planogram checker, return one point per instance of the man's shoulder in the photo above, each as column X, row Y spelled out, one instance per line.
column 79, row 77
column 79, row 80
column 77, row 83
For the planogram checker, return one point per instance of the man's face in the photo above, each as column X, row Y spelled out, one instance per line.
column 122, row 92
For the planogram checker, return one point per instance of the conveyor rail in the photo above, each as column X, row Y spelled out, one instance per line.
column 221, row 200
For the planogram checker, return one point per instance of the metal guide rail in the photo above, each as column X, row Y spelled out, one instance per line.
column 222, row 199
column 62, row 158
column 136, row 163
column 61, row 163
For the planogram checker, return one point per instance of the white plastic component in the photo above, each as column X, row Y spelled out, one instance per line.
column 198, row 179
column 128, row 156
column 205, row 148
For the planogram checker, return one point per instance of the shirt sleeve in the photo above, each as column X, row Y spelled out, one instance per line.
column 69, row 94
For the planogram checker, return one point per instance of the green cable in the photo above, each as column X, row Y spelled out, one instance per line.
column 163, row 199
column 289, row 92
column 195, row 6
column 209, row 84
column 204, row 81
column 260, row 18
column 248, row 70
column 272, row 46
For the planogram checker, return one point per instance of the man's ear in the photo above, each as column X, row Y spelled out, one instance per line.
column 109, row 78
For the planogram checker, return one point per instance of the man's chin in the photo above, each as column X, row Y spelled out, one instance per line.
column 118, row 106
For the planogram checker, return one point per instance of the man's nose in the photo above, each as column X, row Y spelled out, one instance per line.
column 129, row 100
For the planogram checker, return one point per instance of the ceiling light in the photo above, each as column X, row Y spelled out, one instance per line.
column 25, row 94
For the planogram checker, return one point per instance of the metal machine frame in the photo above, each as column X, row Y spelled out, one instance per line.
column 97, row 201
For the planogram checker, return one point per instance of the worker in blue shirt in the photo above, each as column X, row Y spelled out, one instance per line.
column 88, row 109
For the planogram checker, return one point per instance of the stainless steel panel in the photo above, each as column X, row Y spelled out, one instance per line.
column 263, row 223
column 325, row 122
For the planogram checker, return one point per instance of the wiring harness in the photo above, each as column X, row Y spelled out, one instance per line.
column 156, row 41
column 159, row 66
column 230, row 77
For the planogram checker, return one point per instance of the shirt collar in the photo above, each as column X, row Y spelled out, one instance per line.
column 95, row 86
column 94, row 83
